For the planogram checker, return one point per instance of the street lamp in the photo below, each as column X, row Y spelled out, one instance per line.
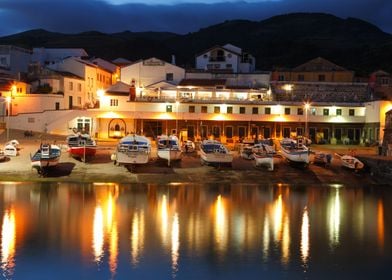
column 307, row 106
column 8, row 99
column 177, row 105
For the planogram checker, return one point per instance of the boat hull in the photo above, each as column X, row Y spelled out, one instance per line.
column 170, row 154
column 131, row 157
column 215, row 158
column 298, row 156
column 264, row 160
column 82, row 151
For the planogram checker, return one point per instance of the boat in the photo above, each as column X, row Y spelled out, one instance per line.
column 350, row 162
column 188, row 146
column 169, row 148
column 132, row 150
column 294, row 150
column 47, row 156
column 322, row 158
column 264, row 156
column 2, row 155
column 10, row 150
column 81, row 146
column 246, row 151
column 214, row 152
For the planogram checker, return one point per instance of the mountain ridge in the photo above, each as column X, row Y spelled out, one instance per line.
column 285, row 40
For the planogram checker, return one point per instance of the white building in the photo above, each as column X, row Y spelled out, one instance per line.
column 46, row 56
column 145, row 73
column 228, row 58
column 14, row 60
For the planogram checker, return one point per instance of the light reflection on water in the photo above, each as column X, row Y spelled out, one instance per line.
column 110, row 231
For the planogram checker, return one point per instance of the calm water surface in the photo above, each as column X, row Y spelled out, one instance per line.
column 112, row 231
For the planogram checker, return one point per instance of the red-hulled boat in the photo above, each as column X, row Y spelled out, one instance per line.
column 81, row 146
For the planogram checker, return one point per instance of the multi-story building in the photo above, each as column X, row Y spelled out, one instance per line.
column 14, row 60
column 46, row 56
column 315, row 70
column 227, row 58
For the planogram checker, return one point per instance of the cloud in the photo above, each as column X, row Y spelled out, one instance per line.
column 74, row 16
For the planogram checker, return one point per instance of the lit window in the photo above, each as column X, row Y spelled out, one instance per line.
column 204, row 109
column 229, row 110
column 351, row 112
column 267, row 111
column 169, row 108
column 114, row 102
column 216, row 109
column 338, row 112
column 326, row 112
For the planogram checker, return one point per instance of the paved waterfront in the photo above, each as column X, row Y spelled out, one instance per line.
column 189, row 170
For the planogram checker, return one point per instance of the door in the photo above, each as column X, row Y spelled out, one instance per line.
column 70, row 102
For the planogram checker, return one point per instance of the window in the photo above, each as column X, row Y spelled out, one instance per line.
column 300, row 111
column 79, row 87
column 57, row 105
column 191, row 109
column 281, row 78
column 204, row 109
column 321, row 78
column 169, row 76
column 229, row 110
column 313, row 111
column 3, row 61
column 70, row 85
column 79, row 100
column 301, row 77
column 169, row 108
column 255, row 110
column 216, row 109
column 338, row 112
column 31, row 120
column 267, row 110
column 242, row 110
column 287, row 111
column 351, row 112
column 114, row 102
column 326, row 112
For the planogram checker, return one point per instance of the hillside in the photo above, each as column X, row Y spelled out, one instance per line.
column 280, row 41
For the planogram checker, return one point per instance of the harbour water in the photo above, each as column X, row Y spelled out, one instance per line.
column 194, row 231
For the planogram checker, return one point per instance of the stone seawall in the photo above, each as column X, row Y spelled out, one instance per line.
column 380, row 167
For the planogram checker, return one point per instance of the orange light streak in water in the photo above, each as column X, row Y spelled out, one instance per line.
column 137, row 237
column 380, row 224
column 98, row 234
column 220, row 225
column 305, row 237
column 175, row 241
column 8, row 240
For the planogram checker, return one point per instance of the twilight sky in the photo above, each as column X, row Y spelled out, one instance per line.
column 178, row 16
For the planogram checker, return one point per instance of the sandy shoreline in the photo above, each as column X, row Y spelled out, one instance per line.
column 189, row 170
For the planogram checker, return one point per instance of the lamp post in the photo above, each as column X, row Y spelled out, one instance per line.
column 177, row 105
column 8, row 99
column 307, row 105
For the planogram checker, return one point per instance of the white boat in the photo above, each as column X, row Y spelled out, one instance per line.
column 48, row 155
column 350, row 162
column 246, row 151
column 214, row 152
column 10, row 150
column 189, row 146
column 132, row 149
column 264, row 155
column 169, row 148
column 294, row 150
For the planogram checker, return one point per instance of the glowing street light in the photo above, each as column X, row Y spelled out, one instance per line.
column 177, row 105
column 8, row 100
column 307, row 106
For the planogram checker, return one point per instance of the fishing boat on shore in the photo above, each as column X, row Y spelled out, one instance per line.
column 132, row 150
column 263, row 155
column 169, row 148
column 47, row 156
column 322, row 158
column 189, row 146
column 214, row 152
column 81, row 146
column 350, row 162
column 294, row 150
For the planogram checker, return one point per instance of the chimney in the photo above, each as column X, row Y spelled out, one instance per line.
column 173, row 60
